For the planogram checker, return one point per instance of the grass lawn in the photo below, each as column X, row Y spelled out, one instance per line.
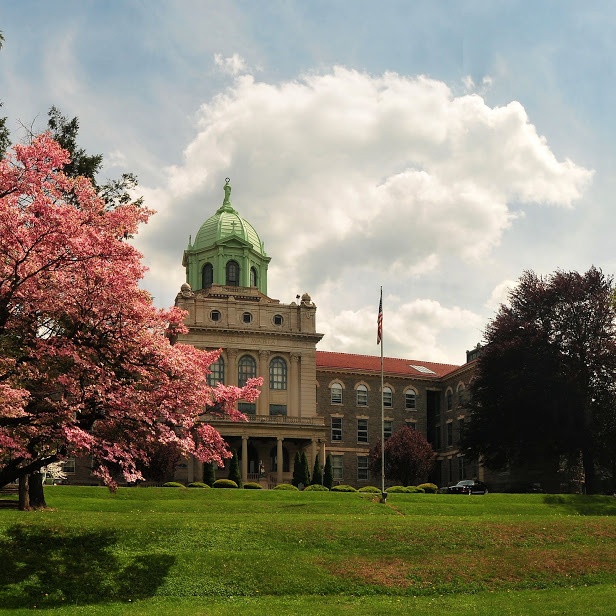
column 190, row 551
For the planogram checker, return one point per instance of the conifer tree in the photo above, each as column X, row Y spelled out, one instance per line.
column 317, row 474
column 297, row 469
column 234, row 470
column 209, row 474
column 328, row 475
column 305, row 470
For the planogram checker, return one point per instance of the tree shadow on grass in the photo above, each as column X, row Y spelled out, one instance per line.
column 47, row 568
column 580, row 504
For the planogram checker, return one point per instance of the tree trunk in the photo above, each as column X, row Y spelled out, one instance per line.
column 35, row 490
column 24, row 498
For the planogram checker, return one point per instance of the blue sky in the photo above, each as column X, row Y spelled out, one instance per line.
column 438, row 149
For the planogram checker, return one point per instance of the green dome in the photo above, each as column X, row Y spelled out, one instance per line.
column 227, row 251
column 227, row 223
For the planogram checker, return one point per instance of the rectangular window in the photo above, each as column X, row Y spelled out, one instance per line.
column 278, row 409
column 387, row 429
column 388, row 398
column 412, row 425
column 362, row 430
column 449, row 433
column 248, row 408
column 68, row 465
column 337, row 468
column 362, row 468
column 460, row 428
column 437, row 437
column 410, row 401
column 336, row 429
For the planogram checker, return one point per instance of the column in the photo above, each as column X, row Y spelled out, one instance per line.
column 244, row 459
column 313, row 455
column 232, row 370
column 263, row 400
column 294, row 410
column 279, row 460
column 190, row 469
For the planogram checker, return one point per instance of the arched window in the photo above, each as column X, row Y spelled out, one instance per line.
column 388, row 397
column 410, row 400
column 233, row 274
column 207, row 275
column 336, row 393
column 246, row 369
column 217, row 373
column 362, row 395
column 461, row 397
column 449, row 396
column 278, row 373
column 253, row 276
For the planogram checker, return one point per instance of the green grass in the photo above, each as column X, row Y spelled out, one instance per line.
column 174, row 551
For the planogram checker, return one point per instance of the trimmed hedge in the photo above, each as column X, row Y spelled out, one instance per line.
column 396, row 490
column 316, row 487
column 429, row 488
column 370, row 489
column 173, row 484
column 286, row 486
column 251, row 485
column 343, row 488
column 198, row 484
column 415, row 490
column 224, row 483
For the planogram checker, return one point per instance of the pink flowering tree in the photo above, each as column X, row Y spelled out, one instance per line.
column 86, row 363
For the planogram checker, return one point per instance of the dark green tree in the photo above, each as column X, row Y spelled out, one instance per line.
column 545, row 388
column 209, row 474
column 328, row 475
column 234, row 470
column 317, row 472
column 297, row 469
column 305, row 470
column 408, row 456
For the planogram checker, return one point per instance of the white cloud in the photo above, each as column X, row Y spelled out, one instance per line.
column 500, row 294
column 233, row 65
column 354, row 180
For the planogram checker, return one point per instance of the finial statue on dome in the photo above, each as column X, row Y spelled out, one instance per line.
column 227, row 200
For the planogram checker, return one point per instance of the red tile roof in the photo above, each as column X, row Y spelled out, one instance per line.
column 391, row 365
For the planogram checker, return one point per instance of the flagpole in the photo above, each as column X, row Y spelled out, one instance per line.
column 380, row 341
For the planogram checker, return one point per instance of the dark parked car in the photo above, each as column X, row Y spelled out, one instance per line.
column 468, row 486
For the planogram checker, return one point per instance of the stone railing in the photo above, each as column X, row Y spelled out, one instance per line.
column 271, row 419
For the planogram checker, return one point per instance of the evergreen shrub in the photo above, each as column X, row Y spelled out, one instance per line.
column 343, row 488
column 316, row 487
column 429, row 488
column 415, row 490
column 173, row 484
column 224, row 483
column 370, row 490
column 397, row 490
column 197, row 484
column 286, row 486
column 252, row 485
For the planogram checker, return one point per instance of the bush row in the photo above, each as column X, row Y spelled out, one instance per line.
column 428, row 488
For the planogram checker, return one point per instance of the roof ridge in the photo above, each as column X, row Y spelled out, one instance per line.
column 418, row 361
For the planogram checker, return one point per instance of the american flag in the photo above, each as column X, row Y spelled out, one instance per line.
column 379, row 321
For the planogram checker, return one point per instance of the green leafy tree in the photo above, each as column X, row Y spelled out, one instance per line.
column 408, row 456
column 317, row 472
column 544, row 388
column 234, row 470
column 328, row 474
